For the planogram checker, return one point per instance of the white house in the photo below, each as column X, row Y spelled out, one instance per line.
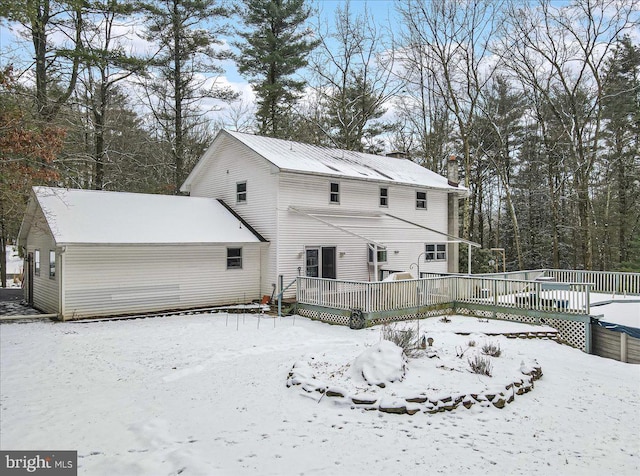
column 91, row 253
column 259, row 208
column 326, row 211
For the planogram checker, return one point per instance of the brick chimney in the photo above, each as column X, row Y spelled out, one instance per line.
column 452, row 171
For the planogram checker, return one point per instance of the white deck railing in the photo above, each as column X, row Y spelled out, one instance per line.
column 601, row 281
column 373, row 296
column 572, row 298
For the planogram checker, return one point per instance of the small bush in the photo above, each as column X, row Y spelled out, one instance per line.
column 491, row 349
column 481, row 365
column 471, row 343
column 445, row 319
column 406, row 339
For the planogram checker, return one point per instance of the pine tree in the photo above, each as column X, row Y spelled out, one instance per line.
column 275, row 47
column 621, row 111
column 186, row 65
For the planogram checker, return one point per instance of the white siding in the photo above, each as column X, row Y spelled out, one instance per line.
column 298, row 231
column 110, row 280
column 233, row 162
column 46, row 294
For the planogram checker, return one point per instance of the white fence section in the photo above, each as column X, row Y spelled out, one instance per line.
column 601, row 281
column 374, row 296
column 571, row 298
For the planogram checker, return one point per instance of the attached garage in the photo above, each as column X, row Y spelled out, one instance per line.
column 94, row 253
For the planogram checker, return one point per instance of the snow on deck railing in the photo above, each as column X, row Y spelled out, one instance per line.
column 602, row 281
column 373, row 296
column 572, row 298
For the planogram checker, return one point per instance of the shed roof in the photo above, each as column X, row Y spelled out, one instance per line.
column 92, row 216
column 299, row 157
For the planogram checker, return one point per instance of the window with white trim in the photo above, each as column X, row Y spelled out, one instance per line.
column 334, row 192
column 36, row 260
column 241, row 192
column 234, row 258
column 381, row 255
column 421, row 200
column 52, row 264
column 435, row 252
column 384, row 197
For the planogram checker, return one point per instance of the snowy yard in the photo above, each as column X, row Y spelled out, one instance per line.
column 207, row 395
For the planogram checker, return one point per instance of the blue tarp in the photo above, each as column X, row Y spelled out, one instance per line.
column 632, row 331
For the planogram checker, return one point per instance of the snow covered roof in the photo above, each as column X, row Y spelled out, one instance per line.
column 312, row 159
column 92, row 216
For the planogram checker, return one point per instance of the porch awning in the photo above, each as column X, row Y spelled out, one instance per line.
column 380, row 228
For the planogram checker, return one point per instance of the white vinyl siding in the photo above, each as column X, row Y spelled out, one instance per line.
column 126, row 279
column 46, row 294
column 309, row 192
column 228, row 163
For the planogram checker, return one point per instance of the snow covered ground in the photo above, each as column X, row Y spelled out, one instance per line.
column 207, row 395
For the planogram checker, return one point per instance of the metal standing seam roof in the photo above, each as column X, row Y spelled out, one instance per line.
column 93, row 216
column 312, row 159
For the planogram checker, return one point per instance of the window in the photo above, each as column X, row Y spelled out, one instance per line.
column 435, row 251
column 321, row 262
column 421, row 200
column 36, row 260
column 234, row 258
column 384, row 197
column 241, row 192
column 334, row 193
column 52, row 264
column 382, row 254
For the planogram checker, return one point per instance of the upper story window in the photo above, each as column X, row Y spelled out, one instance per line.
column 334, row 192
column 384, row 197
column 241, row 192
column 421, row 200
column 52, row 264
column 234, row 258
column 36, row 260
column 435, row 251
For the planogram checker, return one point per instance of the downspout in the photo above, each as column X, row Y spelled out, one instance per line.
column 61, row 290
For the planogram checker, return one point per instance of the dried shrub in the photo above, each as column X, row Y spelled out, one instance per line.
column 406, row 339
column 481, row 365
column 471, row 343
column 491, row 349
column 445, row 319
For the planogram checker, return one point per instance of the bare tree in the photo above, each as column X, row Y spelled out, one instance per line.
column 353, row 77
column 453, row 39
column 558, row 54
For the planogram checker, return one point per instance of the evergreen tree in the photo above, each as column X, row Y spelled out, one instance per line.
column 621, row 111
column 275, row 46
column 186, row 65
